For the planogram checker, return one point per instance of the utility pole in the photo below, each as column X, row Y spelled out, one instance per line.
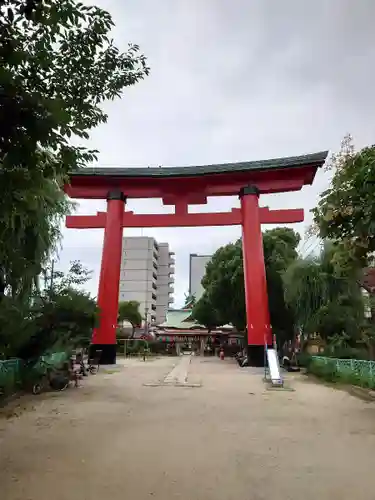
column 52, row 273
column 146, row 321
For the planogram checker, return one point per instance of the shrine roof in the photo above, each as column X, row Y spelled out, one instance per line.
column 315, row 159
column 179, row 318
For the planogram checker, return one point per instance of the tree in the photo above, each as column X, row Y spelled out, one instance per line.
column 31, row 215
column 224, row 285
column 205, row 314
column 59, row 65
column 280, row 247
column 129, row 311
column 325, row 299
column 59, row 317
column 224, row 281
column 346, row 210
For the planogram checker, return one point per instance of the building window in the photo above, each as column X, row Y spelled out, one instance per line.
column 153, row 307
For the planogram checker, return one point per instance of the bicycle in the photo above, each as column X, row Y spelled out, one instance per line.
column 51, row 377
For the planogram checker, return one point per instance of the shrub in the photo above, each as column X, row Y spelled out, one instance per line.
column 330, row 372
column 304, row 359
column 327, row 371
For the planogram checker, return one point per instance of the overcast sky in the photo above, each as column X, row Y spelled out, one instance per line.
column 232, row 81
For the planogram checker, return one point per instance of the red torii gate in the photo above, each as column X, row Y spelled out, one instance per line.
column 181, row 187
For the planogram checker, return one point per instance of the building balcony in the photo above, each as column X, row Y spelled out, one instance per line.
column 171, row 261
column 170, row 289
column 170, row 299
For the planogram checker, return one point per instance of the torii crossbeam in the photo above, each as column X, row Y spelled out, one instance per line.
column 232, row 218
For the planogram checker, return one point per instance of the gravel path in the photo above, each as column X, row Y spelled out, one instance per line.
column 118, row 438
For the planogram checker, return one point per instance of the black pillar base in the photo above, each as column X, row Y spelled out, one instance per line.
column 256, row 355
column 108, row 354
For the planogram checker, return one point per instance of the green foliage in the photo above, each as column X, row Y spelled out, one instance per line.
column 224, row 284
column 129, row 311
column 61, row 317
column 32, row 209
column 16, row 326
column 329, row 371
column 205, row 314
column 224, row 281
column 58, row 65
column 280, row 247
column 346, row 211
column 324, row 298
column 304, row 359
column 282, row 316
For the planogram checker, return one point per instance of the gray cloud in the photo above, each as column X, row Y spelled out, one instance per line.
column 233, row 81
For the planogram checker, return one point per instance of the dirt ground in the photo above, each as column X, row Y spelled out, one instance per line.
column 231, row 438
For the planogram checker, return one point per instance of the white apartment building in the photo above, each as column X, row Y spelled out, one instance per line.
column 147, row 276
column 197, row 270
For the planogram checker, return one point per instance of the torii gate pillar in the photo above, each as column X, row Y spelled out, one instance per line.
column 257, row 310
column 104, row 337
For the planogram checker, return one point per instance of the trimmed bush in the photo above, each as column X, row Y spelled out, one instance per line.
column 354, row 372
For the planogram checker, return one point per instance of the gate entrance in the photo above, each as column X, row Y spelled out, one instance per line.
column 181, row 187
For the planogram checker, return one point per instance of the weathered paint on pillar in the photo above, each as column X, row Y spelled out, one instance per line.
column 104, row 337
column 257, row 310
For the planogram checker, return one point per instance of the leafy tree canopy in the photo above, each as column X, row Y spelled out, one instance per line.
column 224, row 280
column 61, row 316
column 280, row 247
column 346, row 210
column 224, row 285
column 58, row 65
column 325, row 299
column 205, row 313
column 129, row 311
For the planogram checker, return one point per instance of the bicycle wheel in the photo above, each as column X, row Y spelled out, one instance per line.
column 92, row 369
column 37, row 387
column 59, row 382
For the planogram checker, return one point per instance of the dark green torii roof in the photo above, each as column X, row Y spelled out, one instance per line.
column 315, row 159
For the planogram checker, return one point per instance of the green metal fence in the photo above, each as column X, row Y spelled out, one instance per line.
column 11, row 370
column 10, row 375
column 357, row 371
